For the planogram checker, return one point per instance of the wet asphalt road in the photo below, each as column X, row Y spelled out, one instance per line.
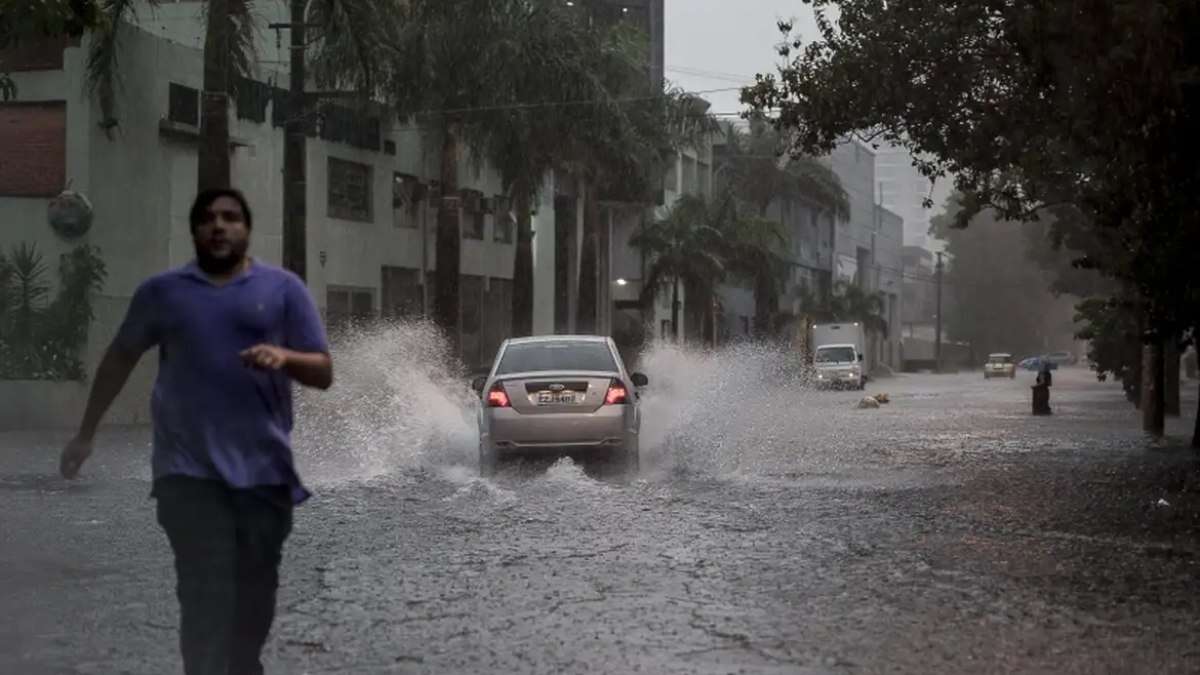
column 773, row 529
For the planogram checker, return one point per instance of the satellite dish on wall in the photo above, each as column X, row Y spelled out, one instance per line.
column 70, row 214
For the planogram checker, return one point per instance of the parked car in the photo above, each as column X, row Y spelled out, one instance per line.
column 554, row 395
column 999, row 364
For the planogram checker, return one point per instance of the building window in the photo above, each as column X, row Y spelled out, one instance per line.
column 504, row 222
column 183, row 105
column 405, row 205
column 401, row 294
column 690, row 185
column 347, row 306
column 473, row 214
column 349, row 190
column 671, row 180
column 34, row 141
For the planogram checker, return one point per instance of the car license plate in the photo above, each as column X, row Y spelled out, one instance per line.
column 556, row 398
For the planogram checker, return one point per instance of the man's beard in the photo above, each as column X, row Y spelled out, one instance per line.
column 225, row 264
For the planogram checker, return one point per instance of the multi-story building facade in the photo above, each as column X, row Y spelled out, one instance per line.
column 371, row 201
column 903, row 191
column 868, row 247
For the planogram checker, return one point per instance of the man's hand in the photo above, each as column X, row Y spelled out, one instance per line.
column 266, row 357
column 73, row 456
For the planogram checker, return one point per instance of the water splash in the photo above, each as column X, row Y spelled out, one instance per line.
column 400, row 404
column 745, row 409
column 397, row 403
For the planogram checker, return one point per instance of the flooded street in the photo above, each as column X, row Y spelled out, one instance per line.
column 772, row 529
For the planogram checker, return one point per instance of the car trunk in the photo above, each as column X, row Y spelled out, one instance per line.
column 557, row 393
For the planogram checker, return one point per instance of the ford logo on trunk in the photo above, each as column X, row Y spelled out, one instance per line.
column 557, row 387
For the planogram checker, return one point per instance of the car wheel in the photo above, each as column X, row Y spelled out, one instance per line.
column 487, row 463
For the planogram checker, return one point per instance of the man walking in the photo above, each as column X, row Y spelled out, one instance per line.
column 232, row 333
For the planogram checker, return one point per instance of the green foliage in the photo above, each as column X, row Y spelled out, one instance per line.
column 756, row 168
column 40, row 338
column 850, row 301
column 1114, row 342
column 687, row 246
column 23, row 21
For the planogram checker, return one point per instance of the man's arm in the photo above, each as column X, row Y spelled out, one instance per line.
column 111, row 376
column 138, row 333
column 311, row 369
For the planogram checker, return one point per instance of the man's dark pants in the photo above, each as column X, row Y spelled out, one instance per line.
column 227, row 544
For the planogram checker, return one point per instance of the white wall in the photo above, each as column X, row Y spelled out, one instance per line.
column 854, row 164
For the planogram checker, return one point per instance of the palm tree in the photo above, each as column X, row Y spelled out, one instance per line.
column 851, row 302
column 756, row 254
column 449, row 62
column 625, row 155
column 758, row 172
column 538, row 124
column 684, row 247
column 228, row 52
column 348, row 32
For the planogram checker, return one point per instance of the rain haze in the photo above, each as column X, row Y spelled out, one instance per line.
column 502, row 336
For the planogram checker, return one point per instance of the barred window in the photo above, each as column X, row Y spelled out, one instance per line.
column 349, row 190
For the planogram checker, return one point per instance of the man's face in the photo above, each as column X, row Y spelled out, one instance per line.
column 222, row 238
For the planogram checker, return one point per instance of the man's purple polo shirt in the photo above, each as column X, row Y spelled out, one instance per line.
column 214, row 417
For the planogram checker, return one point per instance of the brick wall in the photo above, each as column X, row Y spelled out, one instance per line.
column 33, row 149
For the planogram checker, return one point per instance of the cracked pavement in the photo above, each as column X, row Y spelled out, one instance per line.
column 773, row 529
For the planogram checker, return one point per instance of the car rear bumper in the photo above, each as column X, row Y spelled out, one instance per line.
column 506, row 431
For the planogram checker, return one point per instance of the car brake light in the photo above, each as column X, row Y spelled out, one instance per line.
column 617, row 394
column 498, row 398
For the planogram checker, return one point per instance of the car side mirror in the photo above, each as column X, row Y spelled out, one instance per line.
column 639, row 380
column 860, row 357
column 477, row 384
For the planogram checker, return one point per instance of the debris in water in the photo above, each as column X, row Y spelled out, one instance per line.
column 1163, row 502
column 868, row 402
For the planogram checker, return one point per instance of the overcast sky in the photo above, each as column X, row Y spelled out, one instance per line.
column 721, row 44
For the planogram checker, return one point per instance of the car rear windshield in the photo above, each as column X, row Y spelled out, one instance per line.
column 532, row 357
column 1000, row 359
column 835, row 355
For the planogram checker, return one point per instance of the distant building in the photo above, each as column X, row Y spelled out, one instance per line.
column 920, row 292
column 867, row 251
column 903, row 190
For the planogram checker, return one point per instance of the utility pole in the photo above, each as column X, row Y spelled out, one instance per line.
column 937, row 346
column 295, row 160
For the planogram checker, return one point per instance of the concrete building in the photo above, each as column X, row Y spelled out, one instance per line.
column 370, row 212
column 903, row 191
column 867, row 251
column 691, row 173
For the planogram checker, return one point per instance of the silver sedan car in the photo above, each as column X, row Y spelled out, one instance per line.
column 561, row 394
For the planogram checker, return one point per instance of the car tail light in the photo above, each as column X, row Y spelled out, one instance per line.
column 498, row 398
column 617, row 394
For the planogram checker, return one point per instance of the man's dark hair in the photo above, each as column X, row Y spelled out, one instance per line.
column 206, row 198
